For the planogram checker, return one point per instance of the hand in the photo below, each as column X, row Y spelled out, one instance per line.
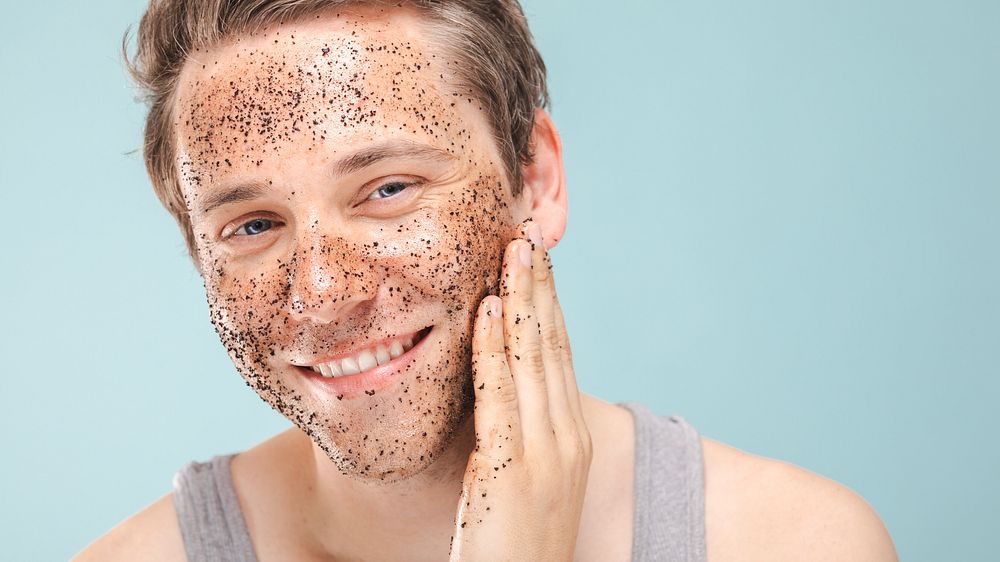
column 523, row 490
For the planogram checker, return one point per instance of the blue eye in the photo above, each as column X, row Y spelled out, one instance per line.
column 253, row 227
column 388, row 190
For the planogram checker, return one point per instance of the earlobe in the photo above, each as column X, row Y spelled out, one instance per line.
column 545, row 180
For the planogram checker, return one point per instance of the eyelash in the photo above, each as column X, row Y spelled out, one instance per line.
column 404, row 185
column 387, row 184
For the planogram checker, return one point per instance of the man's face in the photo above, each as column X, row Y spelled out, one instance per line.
column 341, row 195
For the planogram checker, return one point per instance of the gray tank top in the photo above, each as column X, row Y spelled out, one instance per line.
column 668, row 521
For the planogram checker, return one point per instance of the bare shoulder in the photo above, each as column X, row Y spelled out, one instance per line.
column 763, row 509
column 151, row 534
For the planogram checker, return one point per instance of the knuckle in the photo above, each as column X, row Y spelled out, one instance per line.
column 576, row 441
column 506, row 394
column 540, row 274
column 486, row 457
column 535, row 365
column 494, row 387
column 550, row 337
column 485, row 363
column 486, row 359
column 522, row 296
column 577, row 447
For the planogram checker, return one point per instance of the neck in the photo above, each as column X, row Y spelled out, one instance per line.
column 415, row 514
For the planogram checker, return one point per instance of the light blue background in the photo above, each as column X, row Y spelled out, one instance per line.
column 783, row 226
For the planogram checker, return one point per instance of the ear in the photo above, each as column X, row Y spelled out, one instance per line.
column 544, row 180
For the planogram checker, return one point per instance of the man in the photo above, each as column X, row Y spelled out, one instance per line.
column 369, row 190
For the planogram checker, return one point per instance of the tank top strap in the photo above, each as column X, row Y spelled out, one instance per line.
column 669, row 515
column 209, row 514
column 668, row 519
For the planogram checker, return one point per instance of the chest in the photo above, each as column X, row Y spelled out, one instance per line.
column 605, row 535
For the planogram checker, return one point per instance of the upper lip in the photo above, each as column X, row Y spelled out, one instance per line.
column 352, row 349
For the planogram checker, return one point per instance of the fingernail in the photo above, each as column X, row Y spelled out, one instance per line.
column 525, row 252
column 535, row 234
column 495, row 307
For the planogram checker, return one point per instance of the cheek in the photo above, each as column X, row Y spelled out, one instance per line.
column 243, row 311
column 472, row 231
column 449, row 253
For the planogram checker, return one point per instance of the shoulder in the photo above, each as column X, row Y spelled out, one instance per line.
column 151, row 534
column 762, row 509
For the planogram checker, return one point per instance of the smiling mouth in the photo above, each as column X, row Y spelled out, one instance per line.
column 368, row 358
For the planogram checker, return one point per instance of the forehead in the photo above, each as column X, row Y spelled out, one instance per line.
column 321, row 86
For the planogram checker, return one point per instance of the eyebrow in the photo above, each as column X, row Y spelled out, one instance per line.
column 355, row 162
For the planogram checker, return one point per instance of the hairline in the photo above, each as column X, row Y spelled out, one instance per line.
column 429, row 30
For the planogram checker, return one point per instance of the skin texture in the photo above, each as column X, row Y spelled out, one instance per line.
column 395, row 474
column 286, row 141
column 523, row 489
column 336, row 270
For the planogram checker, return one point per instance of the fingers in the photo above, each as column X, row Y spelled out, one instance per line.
column 523, row 363
column 533, row 449
column 524, row 355
column 572, row 390
column 496, row 417
column 551, row 341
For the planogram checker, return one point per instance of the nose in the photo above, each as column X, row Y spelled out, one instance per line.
column 328, row 280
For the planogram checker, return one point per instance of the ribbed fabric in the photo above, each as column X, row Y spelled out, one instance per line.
column 668, row 524
column 669, row 518
column 211, row 521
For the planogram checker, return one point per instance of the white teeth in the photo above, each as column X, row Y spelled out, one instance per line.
column 366, row 360
column 349, row 366
column 382, row 355
column 335, row 367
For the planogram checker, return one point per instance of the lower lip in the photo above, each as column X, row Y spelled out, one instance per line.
column 368, row 383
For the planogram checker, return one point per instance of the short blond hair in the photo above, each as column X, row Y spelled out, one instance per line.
column 489, row 39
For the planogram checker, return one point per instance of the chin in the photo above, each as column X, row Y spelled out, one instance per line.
column 389, row 456
column 400, row 432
